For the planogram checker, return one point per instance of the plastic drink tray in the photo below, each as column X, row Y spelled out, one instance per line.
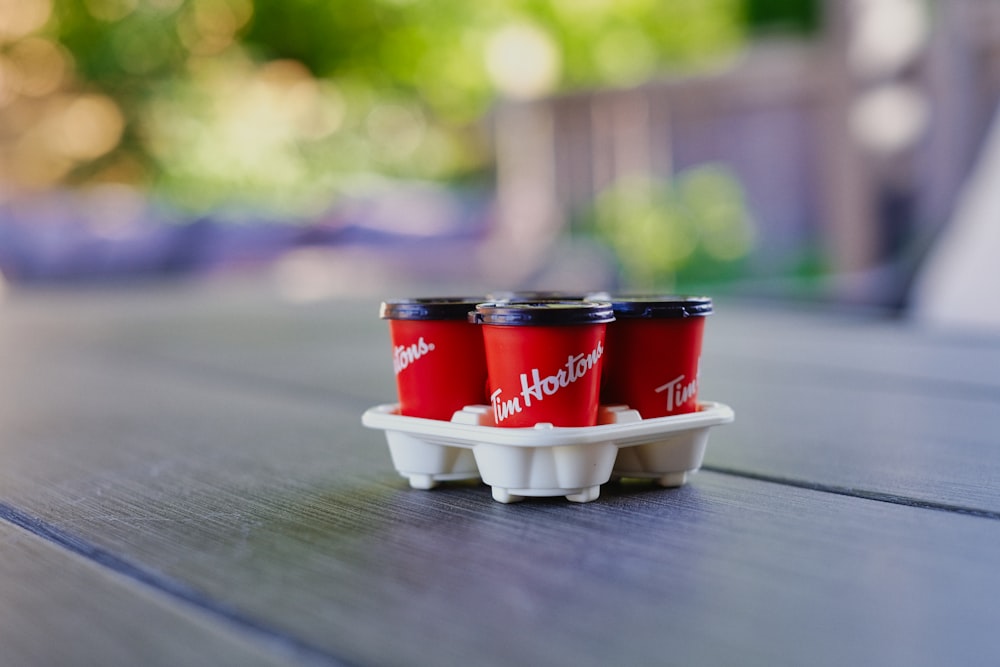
column 547, row 460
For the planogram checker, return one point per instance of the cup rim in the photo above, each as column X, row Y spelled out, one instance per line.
column 542, row 313
column 660, row 306
column 428, row 308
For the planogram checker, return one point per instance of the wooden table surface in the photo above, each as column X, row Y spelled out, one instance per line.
column 184, row 479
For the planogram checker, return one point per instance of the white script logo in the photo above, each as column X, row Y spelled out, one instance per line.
column 404, row 355
column 678, row 393
column 537, row 388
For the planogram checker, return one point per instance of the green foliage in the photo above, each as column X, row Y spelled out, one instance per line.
column 695, row 228
column 789, row 16
column 375, row 87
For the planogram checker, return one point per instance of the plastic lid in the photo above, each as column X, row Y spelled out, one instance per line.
column 434, row 308
column 542, row 313
column 652, row 307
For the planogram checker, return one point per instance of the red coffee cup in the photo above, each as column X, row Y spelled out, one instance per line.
column 544, row 361
column 437, row 355
column 654, row 349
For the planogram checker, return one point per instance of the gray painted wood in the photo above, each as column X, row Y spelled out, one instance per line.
column 273, row 507
column 57, row 608
column 726, row 570
column 933, row 449
column 254, row 336
column 846, row 402
column 859, row 349
column 860, row 405
column 249, row 339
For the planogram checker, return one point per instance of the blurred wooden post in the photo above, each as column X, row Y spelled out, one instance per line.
column 850, row 229
column 632, row 153
column 529, row 216
column 621, row 127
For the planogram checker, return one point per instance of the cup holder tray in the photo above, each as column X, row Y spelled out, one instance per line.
column 547, row 460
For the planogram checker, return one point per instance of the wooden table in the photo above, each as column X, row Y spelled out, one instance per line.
column 184, row 479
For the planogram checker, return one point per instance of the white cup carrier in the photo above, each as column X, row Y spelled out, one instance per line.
column 547, row 460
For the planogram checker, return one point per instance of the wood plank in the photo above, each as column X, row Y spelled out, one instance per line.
column 847, row 403
column 863, row 406
column 332, row 349
column 290, row 515
column 720, row 572
column 341, row 347
column 838, row 345
column 933, row 449
column 57, row 608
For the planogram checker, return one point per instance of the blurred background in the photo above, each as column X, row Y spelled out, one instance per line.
column 812, row 150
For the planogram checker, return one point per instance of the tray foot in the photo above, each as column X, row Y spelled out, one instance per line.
column 672, row 479
column 422, row 481
column 586, row 495
column 502, row 495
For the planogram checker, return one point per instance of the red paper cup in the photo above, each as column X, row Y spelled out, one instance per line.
column 654, row 350
column 544, row 361
column 437, row 355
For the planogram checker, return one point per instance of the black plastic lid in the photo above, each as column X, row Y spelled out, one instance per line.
column 542, row 313
column 434, row 308
column 656, row 307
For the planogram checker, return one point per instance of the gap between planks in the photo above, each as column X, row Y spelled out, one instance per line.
column 877, row 496
column 175, row 589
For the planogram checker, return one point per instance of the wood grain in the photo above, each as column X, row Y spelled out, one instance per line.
column 861, row 349
column 280, row 508
column 305, row 346
column 57, row 608
column 847, row 403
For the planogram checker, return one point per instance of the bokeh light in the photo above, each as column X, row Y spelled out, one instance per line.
column 19, row 18
column 283, row 105
column 890, row 118
column 87, row 128
column 37, row 66
column 208, row 27
column 523, row 61
column 889, row 34
column 110, row 10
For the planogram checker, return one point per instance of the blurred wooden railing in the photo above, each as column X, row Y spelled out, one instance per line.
column 780, row 118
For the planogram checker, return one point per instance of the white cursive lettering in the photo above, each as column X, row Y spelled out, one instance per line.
column 503, row 409
column 534, row 387
column 404, row 355
column 677, row 393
